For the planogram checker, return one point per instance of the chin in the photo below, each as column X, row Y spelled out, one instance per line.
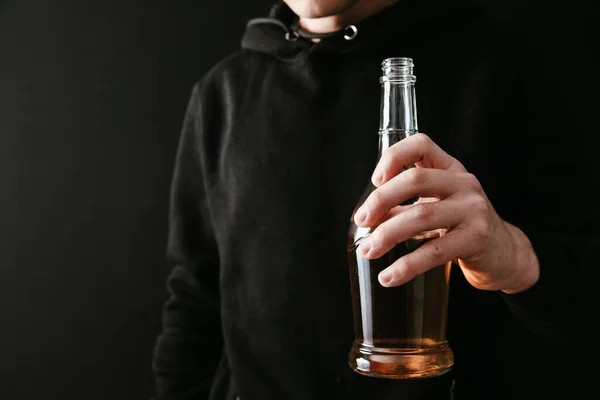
column 319, row 8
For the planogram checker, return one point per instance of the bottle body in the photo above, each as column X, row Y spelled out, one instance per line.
column 400, row 331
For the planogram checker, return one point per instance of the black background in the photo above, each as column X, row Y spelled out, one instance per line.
column 92, row 95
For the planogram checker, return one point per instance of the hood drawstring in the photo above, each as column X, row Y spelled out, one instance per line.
column 295, row 32
column 349, row 33
column 267, row 20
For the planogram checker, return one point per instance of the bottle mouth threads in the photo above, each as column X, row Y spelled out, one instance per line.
column 398, row 69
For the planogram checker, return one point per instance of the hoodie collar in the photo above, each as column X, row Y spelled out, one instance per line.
column 279, row 35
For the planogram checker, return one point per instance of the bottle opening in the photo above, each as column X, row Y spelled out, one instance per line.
column 398, row 69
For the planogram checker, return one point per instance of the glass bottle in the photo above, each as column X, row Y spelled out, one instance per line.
column 399, row 331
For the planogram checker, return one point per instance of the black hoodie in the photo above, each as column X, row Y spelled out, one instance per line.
column 279, row 140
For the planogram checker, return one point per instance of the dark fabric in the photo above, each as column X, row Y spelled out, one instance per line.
column 278, row 143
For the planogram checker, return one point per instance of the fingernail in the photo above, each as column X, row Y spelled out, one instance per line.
column 385, row 277
column 361, row 216
column 364, row 247
column 377, row 177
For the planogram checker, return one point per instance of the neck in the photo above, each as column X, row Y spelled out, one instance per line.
column 387, row 140
column 360, row 10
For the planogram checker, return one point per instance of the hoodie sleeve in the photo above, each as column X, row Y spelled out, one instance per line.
column 556, row 191
column 189, row 347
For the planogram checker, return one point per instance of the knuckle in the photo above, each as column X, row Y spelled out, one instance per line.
column 380, row 237
column 471, row 181
column 415, row 176
column 480, row 228
column 479, row 205
column 377, row 200
column 422, row 139
column 407, row 267
column 423, row 211
column 435, row 250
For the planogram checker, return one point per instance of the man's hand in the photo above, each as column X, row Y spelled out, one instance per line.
column 493, row 254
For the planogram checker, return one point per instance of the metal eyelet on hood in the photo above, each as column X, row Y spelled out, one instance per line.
column 291, row 36
column 350, row 32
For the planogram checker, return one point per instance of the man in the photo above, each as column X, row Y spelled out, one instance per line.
column 278, row 142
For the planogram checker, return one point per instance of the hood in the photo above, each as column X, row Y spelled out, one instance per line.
column 278, row 34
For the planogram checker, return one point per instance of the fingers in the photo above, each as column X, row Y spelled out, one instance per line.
column 415, row 182
column 417, row 149
column 413, row 220
column 461, row 211
column 393, row 212
column 436, row 252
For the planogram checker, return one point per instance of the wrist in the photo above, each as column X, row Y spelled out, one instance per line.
column 525, row 263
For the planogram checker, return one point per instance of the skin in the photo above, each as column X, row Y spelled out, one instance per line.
column 323, row 16
column 493, row 254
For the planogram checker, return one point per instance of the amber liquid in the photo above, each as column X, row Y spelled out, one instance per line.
column 400, row 331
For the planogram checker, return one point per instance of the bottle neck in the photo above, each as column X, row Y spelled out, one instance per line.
column 398, row 117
